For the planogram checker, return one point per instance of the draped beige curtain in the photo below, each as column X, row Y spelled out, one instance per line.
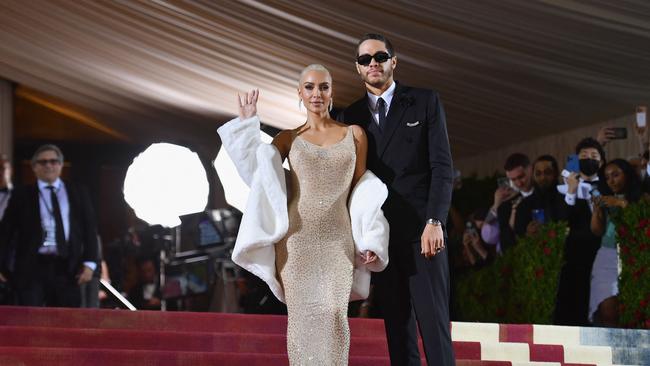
column 559, row 145
column 508, row 70
column 6, row 118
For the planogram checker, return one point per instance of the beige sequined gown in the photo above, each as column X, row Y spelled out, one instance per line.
column 315, row 259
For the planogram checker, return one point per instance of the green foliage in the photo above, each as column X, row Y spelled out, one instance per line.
column 537, row 262
column 633, row 236
column 476, row 295
column 520, row 286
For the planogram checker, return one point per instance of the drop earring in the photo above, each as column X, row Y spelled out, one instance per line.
column 331, row 105
column 300, row 105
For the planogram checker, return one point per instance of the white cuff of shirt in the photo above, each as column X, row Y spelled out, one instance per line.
column 570, row 199
column 91, row 265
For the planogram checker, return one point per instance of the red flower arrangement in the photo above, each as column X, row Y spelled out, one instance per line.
column 634, row 280
column 506, row 284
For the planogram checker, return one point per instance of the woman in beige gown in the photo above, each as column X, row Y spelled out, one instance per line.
column 315, row 259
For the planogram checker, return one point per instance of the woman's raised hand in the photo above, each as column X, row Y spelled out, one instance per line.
column 248, row 104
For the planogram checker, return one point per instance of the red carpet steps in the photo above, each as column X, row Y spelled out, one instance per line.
column 46, row 336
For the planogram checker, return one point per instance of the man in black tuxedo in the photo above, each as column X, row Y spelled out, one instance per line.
column 408, row 150
column 581, row 246
column 520, row 175
column 545, row 197
column 50, row 229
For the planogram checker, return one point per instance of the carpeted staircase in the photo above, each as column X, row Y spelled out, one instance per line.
column 50, row 336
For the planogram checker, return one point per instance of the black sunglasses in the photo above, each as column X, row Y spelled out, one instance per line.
column 366, row 59
column 46, row 161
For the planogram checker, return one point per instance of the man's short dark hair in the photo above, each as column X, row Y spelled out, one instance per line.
column 589, row 142
column 516, row 160
column 47, row 147
column 377, row 37
column 551, row 160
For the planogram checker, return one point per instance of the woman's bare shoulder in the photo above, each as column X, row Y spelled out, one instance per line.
column 283, row 140
column 358, row 132
column 285, row 134
column 356, row 129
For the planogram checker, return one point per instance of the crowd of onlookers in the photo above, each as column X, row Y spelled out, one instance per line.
column 584, row 192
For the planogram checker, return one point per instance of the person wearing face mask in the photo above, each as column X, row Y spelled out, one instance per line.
column 546, row 204
column 581, row 244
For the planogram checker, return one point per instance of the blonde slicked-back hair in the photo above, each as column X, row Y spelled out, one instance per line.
column 313, row 67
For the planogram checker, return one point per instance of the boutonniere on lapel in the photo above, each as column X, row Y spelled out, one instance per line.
column 406, row 100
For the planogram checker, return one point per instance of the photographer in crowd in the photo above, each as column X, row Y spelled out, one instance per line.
column 546, row 204
column 475, row 251
column 581, row 244
column 623, row 187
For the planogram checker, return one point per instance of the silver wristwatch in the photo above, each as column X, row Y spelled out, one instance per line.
column 434, row 222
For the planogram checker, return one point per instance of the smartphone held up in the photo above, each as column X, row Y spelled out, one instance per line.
column 471, row 229
column 503, row 182
column 573, row 163
column 619, row 133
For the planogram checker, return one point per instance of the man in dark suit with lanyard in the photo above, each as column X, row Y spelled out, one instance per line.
column 408, row 149
column 50, row 229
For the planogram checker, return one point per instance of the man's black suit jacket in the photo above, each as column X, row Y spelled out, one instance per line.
column 21, row 233
column 411, row 156
column 551, row 201
column 581, row 243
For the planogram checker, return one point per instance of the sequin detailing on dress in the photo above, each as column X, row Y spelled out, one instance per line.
column 315, row 259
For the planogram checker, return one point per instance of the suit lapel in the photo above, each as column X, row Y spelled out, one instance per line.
column 36, row 219
column 374, row 134
column 393, row 119
column 74, row 204
column 362, row 112
column 72, row 196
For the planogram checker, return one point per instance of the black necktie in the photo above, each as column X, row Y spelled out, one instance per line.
column 61, row 245
column 381, row 108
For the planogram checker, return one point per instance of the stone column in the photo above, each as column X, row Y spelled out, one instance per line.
column 6, row 118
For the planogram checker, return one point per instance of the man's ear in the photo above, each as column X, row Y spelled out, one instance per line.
column 357, row 66
column 393, row 62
